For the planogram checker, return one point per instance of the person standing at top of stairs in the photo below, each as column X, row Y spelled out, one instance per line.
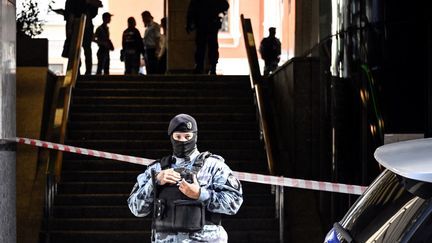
column 102, row 38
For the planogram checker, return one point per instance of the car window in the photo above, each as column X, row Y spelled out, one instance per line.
column 384, row 212
column 423, row 233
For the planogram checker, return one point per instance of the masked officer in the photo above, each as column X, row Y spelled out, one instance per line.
column 187, row 191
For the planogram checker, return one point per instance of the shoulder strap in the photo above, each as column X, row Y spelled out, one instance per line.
column 165, row 162
column 200, row 160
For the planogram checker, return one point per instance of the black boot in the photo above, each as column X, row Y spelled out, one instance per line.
column 212, row 70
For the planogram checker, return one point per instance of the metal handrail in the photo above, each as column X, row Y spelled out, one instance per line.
column 53, row 170
column 69, row 84
column 256, row 85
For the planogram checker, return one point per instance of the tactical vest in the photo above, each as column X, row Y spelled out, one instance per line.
column 175, row 212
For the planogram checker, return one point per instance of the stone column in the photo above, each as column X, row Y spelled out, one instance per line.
column 306, row 26
column 7, row 121
column 181, row 46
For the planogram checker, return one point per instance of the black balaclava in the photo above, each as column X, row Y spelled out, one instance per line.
column 183, row 123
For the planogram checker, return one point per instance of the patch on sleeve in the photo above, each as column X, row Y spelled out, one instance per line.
column 233, row 182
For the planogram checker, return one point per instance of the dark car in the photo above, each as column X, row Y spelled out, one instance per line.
column 397, row 206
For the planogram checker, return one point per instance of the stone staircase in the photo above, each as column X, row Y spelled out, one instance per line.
column 130, row 115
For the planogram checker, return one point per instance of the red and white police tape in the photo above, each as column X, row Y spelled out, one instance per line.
column 243, row 176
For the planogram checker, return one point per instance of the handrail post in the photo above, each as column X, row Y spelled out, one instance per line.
column 279, row 210
column 281, row 213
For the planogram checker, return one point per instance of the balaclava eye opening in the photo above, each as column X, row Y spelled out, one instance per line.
column 183, row 123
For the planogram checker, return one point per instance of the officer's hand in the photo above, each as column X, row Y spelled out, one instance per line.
column 191, row 190
column 168, row 176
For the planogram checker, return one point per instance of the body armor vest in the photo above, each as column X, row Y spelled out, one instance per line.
column 175, row 212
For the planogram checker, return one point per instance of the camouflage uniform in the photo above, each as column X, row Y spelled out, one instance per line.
column 220, row 191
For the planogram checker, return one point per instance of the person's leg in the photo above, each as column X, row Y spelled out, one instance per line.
column 162, row 63
column 146, row 62
column 213, row 49
column 135, row 64
column 107, row 63
column 128, row 64
column 266, row 67
column 152, row 61
column 86, row 44
column 200, row 42
column 100, row 61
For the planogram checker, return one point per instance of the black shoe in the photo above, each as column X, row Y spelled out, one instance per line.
column 212, row 71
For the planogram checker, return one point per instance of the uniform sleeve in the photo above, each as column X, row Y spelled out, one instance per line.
column 224, row 194
column 140, row 201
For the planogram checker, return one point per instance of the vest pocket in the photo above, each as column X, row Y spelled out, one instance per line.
column 188, row 215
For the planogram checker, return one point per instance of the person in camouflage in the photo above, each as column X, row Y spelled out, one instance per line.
column 210, row 183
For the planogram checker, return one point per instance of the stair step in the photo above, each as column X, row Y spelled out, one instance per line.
column 142, row 236
column 95, row 164
column 108, row 144
column 231, row 154
column 138, row 100
column 101, row 108
column 255, row 236
column 120, row 199
column 153, row 126
column 112, row 236
column 100, row 134
column 199, row 79
column 163, row 85
column 148, row 116
column 100, row 176
column 118, row 187
column 112, row 212
column 98, row 224
column 161, row 92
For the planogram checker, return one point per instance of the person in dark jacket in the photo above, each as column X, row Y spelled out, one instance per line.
column 132, row 48
column 102, row 38
column 205, row 16
column 270, row 49
column 162, row 55
column 151, row 42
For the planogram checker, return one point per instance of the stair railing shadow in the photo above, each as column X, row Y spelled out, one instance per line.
column 257, row 88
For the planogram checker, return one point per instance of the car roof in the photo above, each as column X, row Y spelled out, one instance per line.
column 411, row 159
